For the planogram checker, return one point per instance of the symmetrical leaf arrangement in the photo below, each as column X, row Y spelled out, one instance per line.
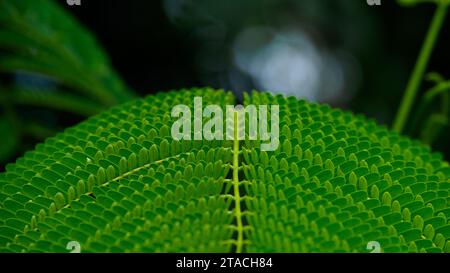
column 119, row 183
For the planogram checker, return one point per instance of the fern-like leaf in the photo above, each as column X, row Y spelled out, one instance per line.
column 118, row 182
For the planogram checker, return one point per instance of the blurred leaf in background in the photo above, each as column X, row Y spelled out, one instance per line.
column 50, row 62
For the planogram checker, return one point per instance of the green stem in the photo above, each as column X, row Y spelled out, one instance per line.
column 237, row 197
column 419, row 69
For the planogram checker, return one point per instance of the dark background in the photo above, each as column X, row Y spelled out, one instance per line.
column 163, row 45
column 153, row 54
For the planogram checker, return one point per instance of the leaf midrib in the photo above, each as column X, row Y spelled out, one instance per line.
column 237, row 197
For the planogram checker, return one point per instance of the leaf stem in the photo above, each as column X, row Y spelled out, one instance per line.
column 237, row 197
column 420, row 67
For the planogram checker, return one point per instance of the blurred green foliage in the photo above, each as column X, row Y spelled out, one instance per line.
column 41, row 42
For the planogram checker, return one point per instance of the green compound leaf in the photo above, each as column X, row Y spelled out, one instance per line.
column 119, row 182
